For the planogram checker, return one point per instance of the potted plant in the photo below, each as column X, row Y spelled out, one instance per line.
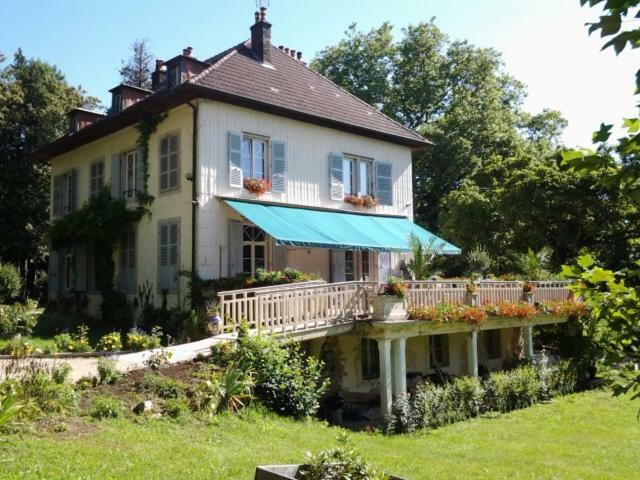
column 527, row 291
column 213, row 318
column 472, row 293
column 388, row 305
column 366, row 201
column 256, row 185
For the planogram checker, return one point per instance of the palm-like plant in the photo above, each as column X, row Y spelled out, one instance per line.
column 10, row 408
column 423, row 256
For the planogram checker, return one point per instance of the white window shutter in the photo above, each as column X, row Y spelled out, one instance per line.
column 335, row 176
column 115, row 177
column 338, row 273
column 278, row 166
column 384, row 183
column 235, row 160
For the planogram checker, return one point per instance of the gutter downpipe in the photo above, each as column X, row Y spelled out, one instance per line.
column 194, row 187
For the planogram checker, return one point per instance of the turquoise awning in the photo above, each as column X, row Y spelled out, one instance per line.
column 340, row 230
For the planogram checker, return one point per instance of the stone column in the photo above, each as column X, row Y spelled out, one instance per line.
column 472, row 353
column 528, row 342
column 398, row 347
column 384, row 351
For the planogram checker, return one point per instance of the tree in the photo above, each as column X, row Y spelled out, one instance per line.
column 137, row 70
column 34, row 102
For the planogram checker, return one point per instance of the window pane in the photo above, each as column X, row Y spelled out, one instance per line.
column 365, row 178
column 347, row 176
column 246, row 158
column 173, row 143
column 349, row 264
column 164, row 146
column 259, row 252
column 246, row 265
column 258, row 158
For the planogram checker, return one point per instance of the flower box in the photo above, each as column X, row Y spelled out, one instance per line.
column 388, row 308
column 285, row 472
column 256, row 185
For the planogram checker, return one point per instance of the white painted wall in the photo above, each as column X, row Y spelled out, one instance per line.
column 307, row 151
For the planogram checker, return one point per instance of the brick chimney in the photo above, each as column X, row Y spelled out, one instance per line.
column 261, row 37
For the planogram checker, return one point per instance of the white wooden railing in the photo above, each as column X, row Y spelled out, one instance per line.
column 303, row 306
column 296, row 307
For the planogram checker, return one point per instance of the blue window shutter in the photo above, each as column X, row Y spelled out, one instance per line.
column 336, row 176
column 115, row 177
column 384, row 183
column 235, row 247
column 235, row 159
column 278, row 166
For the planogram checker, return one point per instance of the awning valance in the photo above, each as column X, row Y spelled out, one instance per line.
column 340, row 230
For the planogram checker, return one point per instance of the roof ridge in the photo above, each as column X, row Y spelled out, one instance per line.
column 216, row 62
column 354, row 96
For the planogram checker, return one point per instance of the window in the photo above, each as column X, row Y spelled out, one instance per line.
column 370, row 358
column 349, row 266
column 117, row 103
column 492, row 343
column 254, row 243
column 129, row 183
column 128, row 262
column 253, row 157
column 169, row 254
column 169, row 162
column 365, row 265
column 175, row 76
column 356, row 176
column 439, row 351
column 64, row 193
column 96, row 181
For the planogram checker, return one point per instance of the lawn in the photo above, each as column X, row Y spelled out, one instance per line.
column 588, row 435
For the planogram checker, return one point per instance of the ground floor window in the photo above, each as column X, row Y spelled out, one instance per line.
column 492, row 343
column 357, row 265
column 69, row 270
column 439, row 351
column 370, row 358
column 254, row 249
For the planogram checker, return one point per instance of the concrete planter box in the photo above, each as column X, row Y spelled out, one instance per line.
column 388, row 308
column 285, row 472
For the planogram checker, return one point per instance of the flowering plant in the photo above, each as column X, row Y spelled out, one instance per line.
column 394, row 287
column 506, row 309
column 528, row 287
column 256, row 185
column 367, row 201
column 447, row 313
column 569, row 308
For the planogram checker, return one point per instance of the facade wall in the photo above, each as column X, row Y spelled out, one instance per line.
column 175, row 204
column 307, row 174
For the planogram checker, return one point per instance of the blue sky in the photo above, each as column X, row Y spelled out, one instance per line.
column 544, row 42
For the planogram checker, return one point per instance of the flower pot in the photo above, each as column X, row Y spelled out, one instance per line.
column 284, row 472
column 214, row 324
column 388, row 308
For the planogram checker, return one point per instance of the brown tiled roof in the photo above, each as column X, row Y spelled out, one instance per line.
column 291, row 85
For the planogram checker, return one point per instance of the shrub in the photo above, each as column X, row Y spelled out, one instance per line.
column 106, row 406
column 158, row 359
column 10, row 283
column 17, row 319
column 60, row 374
column 514, row 389
column 110, row 342
column 18, row 347
column 138, row 340
column 77, row 343
column 107, row 373
column 175, row 407
column 49, row 391
column 222, row 353
column 163, row 387
column 287, row 381
column 11, row 406
column 229, row 389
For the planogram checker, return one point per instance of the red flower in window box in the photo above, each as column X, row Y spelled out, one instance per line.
column 366, row 201
column 256, row 185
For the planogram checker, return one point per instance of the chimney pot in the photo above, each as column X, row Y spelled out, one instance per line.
column 257, row 15
column 293, row 53
column 159, row 63
column 187, row 51
column 263, row 14
column 299, row 55
column 261, row 37
column 286, row 50
column 280, row 47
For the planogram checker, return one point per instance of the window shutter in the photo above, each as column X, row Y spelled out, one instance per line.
column 123, row 176
column 168, row 255
column 235, row 247
column 164, row 163
column 115, row 177
column 140, row 180
column 57, row 195
column 54, row 272
column 384, row 183
column 81, row 268
column 278, row 166
column 72, row 188
column 335, row 175
column 235, row 159
column 280, row 257
column 337, row 266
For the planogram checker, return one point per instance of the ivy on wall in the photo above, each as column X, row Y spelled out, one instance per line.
column 146, row 128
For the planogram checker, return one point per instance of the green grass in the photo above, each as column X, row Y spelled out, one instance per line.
column 588, row 435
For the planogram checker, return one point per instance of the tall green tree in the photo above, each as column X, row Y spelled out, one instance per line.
column 137, row 69
column 34, row 102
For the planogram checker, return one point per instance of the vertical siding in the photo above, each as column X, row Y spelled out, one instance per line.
column 308, row 147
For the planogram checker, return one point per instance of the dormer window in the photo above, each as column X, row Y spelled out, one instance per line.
column 116, row 105
column 175, row 76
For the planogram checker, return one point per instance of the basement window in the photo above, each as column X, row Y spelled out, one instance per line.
column 370, row 359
